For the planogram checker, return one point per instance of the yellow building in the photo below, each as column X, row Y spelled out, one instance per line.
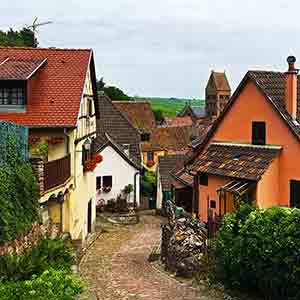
column 53, row 92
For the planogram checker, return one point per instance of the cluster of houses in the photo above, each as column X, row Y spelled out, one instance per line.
column 249, row 153
column 84, row 148
column 87, row 150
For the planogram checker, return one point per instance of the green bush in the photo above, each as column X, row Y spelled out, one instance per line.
column 260, row 250
column 56, row 253
column 148, row 183
column 50, row 285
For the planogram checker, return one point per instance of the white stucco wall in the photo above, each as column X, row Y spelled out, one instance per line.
column 122, row 174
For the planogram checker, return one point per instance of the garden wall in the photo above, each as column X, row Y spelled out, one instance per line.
column 25, row 241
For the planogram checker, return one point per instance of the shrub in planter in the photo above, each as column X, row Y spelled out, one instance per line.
column 261, row 251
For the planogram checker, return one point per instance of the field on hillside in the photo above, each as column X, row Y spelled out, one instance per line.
column 171, row 106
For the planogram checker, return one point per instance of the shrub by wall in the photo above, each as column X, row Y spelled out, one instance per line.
column 259, row 250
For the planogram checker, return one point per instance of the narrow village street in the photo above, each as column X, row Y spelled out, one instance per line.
column 116, row 266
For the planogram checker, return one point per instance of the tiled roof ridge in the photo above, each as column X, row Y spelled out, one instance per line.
column 44, row 48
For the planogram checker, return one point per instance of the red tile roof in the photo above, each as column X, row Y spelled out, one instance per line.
column 20, row 69
column 57, row 87
column 170, row 138
column 220, row 80
column 178, row 121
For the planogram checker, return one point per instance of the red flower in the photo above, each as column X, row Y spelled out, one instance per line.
column 150, row 163
column 98, row 158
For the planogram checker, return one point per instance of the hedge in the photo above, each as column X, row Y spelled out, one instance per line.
column 259, row 250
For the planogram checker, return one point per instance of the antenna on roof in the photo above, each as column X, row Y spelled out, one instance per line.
column 35, row 24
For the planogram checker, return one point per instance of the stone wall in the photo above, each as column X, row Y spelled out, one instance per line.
column 25, row 241
column 38, row 167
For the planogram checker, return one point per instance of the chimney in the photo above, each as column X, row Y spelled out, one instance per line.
column 291, row 88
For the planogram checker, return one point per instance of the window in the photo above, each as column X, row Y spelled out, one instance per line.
column 107, row 181
column 295, row 193
column 126, row 148
column 212, row 204
column 90, row 107
column 145, row 137
column 98, row 182
column 150, row 155
column 203, row 179
column 12, row 96
column 85, row 155
column 258, row 133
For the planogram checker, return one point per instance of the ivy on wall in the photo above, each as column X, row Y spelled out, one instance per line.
column 18, row 186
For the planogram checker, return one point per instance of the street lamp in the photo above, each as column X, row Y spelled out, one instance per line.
column 87, row 144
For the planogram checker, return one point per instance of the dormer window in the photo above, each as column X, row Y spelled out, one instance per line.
column 12, row 94
column 14, row 76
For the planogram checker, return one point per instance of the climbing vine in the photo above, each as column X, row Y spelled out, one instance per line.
column 18, row 189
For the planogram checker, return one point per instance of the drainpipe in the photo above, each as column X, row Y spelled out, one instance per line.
column 134, row 190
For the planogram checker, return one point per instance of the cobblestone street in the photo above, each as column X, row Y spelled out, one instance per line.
column 116, row 267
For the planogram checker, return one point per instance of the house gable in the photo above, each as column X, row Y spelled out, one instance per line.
column 235, row 125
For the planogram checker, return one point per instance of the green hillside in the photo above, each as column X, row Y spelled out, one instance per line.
column 171, row 106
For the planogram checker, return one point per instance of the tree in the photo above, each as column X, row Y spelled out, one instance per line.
column 159, row 115
column 112, row 92
column 23, row 38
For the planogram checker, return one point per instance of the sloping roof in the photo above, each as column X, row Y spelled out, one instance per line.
column 170, row 138
column 220, row 81
column 272, row 85
column 57, row 87
column 236, row 160
column 112, row 122
column 108, row 141
column 182, row 177
column 139, row 113
column 178, row 121
column 165, row 165
column 197, row 111
column 19, row 69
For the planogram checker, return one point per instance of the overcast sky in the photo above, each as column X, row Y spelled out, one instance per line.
column 167, row 47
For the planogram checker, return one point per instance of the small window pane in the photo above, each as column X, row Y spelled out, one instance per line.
column 150, row 155
column 107, row 181
column 98, row 182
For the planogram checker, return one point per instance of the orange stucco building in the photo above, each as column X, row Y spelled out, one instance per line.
column 253, row 148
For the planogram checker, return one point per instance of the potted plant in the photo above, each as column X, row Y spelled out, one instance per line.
column 106, row 189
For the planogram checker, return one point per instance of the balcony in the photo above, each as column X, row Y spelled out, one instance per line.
column 56, row 172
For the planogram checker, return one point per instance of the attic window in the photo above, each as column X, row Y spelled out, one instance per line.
column 258, row 133
column 13, row 96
